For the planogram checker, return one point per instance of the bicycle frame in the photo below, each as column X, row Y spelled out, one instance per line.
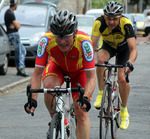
column 59, row 109
column 109, row 113
column 63, row 108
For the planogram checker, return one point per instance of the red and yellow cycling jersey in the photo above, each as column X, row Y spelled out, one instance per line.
column 80, row 56
column 116, row 37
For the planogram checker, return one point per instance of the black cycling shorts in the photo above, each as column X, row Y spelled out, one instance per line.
column 122, row 54
column 147, row 31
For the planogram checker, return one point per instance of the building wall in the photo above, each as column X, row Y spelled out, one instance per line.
column 75, row 6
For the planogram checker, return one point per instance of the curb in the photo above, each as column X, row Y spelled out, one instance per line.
column 13, row 85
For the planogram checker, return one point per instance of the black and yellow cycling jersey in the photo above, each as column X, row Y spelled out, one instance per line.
column 116, row 37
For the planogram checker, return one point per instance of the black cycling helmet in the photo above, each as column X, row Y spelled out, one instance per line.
column 13, row 2
column 63, row 22
column 113, row 8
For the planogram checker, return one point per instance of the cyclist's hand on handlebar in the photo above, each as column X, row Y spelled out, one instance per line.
column 129, row 67
column 86, row 105
column 30, row 109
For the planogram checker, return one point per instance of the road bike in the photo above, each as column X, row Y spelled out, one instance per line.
column 111, row 101
column 64, row 109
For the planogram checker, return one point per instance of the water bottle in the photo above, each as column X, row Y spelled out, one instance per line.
column 67, row 127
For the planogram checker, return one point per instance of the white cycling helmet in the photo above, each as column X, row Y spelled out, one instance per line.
column 63, row 22
column 113, row 8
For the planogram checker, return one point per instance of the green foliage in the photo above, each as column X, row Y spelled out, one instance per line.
column 137, row 2
column 100, row 4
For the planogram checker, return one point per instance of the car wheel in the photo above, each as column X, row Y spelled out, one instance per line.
column 4, row 67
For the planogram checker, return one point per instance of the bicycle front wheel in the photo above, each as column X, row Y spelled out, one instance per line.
column 55, row 128
column 73, row 123
column 105, row 115
column 115, row 123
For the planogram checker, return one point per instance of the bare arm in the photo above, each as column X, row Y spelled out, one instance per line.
column 35, row 84
column 36, row 80
column 94, row 41
column 133, row 50
column 90, row 83
column 16, row 24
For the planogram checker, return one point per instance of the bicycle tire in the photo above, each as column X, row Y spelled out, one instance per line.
column 115, row 123
column 55, row 128
column 104, row 115
column 73, row 123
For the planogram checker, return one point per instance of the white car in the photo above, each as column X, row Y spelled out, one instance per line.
column 95, row 12
column 85, row 23
column 4, row 51
column 35, row 21
column 139, row 17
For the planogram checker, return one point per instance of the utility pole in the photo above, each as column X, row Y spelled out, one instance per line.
column 126, row 7
column 86, row 5
column 141, row 6
column 125, row 2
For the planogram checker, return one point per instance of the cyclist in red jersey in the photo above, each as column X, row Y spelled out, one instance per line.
column 71, row 53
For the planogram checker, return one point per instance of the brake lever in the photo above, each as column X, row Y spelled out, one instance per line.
column 81, row 93
column 126, row 74
column 29, row 95
column 127, row 77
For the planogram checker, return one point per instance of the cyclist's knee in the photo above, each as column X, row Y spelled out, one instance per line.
column 51, row 82
column 100, row 60
column 121, row 80
column 47, row 100
column 81, row 115
column 102, row 56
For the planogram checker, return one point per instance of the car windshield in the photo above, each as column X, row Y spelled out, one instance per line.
column 95, row 14
column 27, row 15
column 139, row 17
column 129, row 17
column 85, row 21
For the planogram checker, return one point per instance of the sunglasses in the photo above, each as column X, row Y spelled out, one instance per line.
column 108, row 18
column 66, row 37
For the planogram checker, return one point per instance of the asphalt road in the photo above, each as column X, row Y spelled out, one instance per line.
column 16, row 124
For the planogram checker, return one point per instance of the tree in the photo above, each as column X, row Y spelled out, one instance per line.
column 146, row 2
column 100, row 4
column 137, row 2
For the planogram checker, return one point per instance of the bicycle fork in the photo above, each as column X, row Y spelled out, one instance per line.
column 60, row 107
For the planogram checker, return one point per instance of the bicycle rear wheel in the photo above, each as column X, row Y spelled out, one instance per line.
column 105, row 115
column 55, row 128
column 115, row 123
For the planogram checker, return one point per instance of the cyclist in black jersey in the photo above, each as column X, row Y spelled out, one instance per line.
column 116, row 37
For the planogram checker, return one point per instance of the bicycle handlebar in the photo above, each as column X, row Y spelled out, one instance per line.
column 57, row 91
column 108, row 65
